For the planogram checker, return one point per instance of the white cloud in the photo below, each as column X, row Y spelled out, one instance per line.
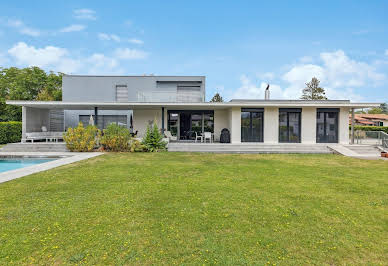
column 249, row 90
column 41, row 57
column 74, row 27
column 339, row 75
column 109, row 37
column 341, row 71
column 60, row 59
column 386, row 52
column 136, row 41
column 87, row 14
column 129, row 54
column 22, row 28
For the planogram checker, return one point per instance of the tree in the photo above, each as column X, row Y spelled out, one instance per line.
column 217, row 98
column 313, row 91
column 375, row 110
column 384, row 108
column 30, row 83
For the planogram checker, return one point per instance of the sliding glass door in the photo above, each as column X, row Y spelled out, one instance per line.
column 290, row 125
column 252, row 125
column 327, row 125
column 185, row 124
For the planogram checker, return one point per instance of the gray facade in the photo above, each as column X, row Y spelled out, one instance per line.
column 78, row 88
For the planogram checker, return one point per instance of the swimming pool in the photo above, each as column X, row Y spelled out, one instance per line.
column 16, row 163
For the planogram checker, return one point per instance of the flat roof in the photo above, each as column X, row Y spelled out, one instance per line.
column 137, row 76
column 190, row 105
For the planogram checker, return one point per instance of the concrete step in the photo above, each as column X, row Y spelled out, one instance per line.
column 35, row 147
column 364, row 150
column 247, row 148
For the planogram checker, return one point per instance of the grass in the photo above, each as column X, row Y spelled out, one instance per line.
column 172, row 208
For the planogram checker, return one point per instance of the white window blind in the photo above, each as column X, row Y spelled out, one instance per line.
column 121, row 93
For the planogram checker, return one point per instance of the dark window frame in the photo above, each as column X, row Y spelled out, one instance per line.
column 288, row 111
column 326, row 111
column 251, row 111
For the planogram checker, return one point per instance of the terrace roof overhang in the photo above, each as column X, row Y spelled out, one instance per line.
column 190, row 106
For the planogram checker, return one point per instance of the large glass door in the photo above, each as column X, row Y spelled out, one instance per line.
column 327, row 125
column 290, row 125
column 252, row 125
column 184, row 124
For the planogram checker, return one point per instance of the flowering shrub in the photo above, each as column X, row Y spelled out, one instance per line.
column 116, row 138
column 81, row 138
column 153, row 139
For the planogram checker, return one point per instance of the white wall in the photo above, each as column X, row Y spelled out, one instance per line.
column 235, row 124
column 221, row 121
column 343, row 126
column 271, row 125
column 309, row 125
column 143, row 118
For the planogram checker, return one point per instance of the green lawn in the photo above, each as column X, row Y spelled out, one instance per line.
column 181, row 208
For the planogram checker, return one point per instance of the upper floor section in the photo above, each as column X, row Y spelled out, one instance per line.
column 79, row 88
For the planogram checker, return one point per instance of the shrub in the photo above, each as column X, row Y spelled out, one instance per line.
column 10, row 132
column 153, row 139
column 81, row 138
column 370, row 128
column 136, row 146
column 116, row 138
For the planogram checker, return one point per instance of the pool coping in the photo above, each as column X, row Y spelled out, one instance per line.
column 63, row 159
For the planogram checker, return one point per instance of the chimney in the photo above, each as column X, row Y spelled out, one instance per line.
column 267, row 93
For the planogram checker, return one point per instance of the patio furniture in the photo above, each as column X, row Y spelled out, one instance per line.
column 207, row 135
column 198, row 137
column 225, row 136
column 169, row 135
column 47, row 136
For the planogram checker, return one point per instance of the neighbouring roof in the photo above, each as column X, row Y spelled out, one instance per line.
column 372, row 116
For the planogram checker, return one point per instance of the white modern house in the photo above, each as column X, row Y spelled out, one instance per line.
column 177, row 104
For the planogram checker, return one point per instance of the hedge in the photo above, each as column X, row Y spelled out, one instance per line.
column 371, row 128
column 10, row 132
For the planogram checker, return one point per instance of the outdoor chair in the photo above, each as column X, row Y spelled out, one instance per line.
column 169, row 135
column 198, row 137
column 207, row 135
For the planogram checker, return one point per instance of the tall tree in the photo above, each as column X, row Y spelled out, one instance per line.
column 217, row 98
column 313, row 91
column 30, row 83
column 384, row 108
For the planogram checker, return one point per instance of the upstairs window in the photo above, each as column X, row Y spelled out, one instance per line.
column 121, row 93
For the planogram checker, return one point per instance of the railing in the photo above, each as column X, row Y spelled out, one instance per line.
column 378, row 138
column 168, row 96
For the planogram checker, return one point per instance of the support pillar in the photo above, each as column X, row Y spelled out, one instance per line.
column 352, row 127
column 96, row 116
column 162, row 120
column 24, row 123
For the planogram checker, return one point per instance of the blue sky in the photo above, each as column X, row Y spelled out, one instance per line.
column 238, row 45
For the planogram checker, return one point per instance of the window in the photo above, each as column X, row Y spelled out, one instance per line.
column 121, row 93
column 252, row 125
column 327, row 125
column 105, row 120
column 290, row 125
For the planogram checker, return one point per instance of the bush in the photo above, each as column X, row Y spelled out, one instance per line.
column 136, row 146
column 116, row 138
column 153, row 139
column 10, row 132
column 81, row 138
column 370, row 128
